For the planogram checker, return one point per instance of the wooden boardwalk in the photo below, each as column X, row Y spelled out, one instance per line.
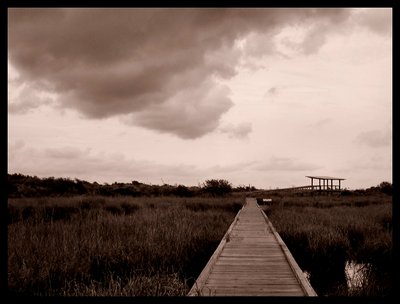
column 251, row 260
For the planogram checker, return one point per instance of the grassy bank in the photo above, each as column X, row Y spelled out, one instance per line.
column 102, row 246
column 325, row 232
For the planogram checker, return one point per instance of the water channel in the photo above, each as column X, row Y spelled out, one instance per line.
column 352, row 280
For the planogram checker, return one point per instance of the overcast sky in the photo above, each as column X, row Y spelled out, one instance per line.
column 178, row 96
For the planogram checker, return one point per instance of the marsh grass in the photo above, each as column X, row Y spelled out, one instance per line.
column 119, row 246
column 324, row 233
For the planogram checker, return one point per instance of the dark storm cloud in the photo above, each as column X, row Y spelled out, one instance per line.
column 148, row 64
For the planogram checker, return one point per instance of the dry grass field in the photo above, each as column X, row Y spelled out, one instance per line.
column 121, row 246
column 326, row 233
column 157, row 246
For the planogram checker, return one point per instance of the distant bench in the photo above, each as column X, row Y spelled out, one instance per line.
column 264, row 201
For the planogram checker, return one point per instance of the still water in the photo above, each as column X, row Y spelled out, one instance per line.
column 355, row 274
column 353, row 278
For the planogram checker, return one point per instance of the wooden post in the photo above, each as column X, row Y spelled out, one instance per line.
column 339, row 184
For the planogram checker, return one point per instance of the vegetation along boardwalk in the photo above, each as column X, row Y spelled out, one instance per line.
column 251, row 260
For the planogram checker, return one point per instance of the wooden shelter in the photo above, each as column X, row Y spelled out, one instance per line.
column 325, row 182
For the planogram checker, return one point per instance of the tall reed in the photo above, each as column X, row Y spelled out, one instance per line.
column 113, row 246
column 324, row 233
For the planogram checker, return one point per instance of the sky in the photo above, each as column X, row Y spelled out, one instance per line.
column 260, row 97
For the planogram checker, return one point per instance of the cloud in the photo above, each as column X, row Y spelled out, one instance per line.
column 241, row 130
column 260, row 44
column 64, row 152
column 238, row 167
column 321, row 123
column 23, row 98
column 286, row 164
column 189, row 114
column 374, row 138
column 14, row 149
column 315, row 38
column 272, row 91
column 146, row 63
column 17, row 145
column 311, row 36
column 83, row 163
column 374, row 163
column 74, row 162
column 377, row 20
column 249, row 64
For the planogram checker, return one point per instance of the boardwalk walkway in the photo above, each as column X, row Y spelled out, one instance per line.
column 251, row 260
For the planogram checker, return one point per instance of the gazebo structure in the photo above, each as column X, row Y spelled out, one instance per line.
column 325, row 183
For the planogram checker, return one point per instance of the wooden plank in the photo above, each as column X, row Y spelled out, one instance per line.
column 267, row 280
column 204, row 274
column 250, row 260
column 257, row 287
column 252, row 283
column 271, row 272
column 255, row 276
column 292, row 262
column 274, row 258
column 275, row 261
column 258, row 290
column 245, row 280
column 269, row 265
column 255, row 291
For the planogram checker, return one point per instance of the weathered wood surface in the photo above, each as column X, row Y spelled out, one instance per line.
column 251, row 260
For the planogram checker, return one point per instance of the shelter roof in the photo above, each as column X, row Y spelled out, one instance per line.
column 326, row 177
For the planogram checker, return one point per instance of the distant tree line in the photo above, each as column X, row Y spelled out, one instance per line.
column 383, row 187
column 20, row 185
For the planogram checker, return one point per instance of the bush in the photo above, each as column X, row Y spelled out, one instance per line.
column 217, row 187
column 182, row 190
column 345, row 193
column 386, row 187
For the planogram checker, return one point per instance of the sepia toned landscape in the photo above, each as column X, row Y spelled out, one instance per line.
column 157, row 244
column 192, row 152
